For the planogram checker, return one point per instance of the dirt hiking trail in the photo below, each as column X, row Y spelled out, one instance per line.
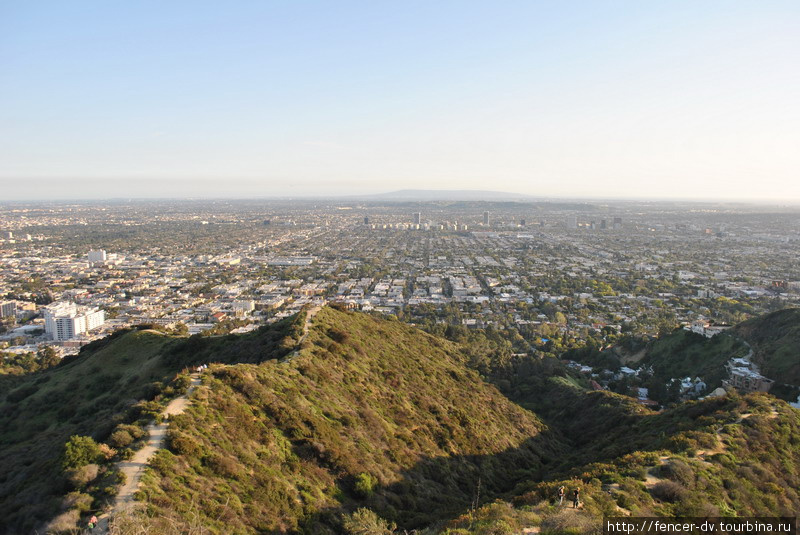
column 134, row 468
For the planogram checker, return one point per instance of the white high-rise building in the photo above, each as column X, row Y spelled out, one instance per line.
column 63, row 321
column 97, row 257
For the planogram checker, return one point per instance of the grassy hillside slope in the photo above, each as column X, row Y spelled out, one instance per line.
column 374, row 417
column 731, row 456
column 106, row 385
column 85, row 397
column 371, row 413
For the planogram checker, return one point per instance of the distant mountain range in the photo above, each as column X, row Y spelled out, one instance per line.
column 446, row 195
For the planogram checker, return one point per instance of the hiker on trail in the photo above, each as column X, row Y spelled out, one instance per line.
column 576, row 500
column 561, row 495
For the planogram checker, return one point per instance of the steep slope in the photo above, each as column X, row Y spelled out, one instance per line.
column 85, row 397
column 370, row 413
column 730, row 456
column 686, row 354
column 775, row 339
column 116, row 381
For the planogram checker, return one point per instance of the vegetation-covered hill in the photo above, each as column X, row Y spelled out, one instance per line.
column 775, row 339
column 376, row 423
column 116, row 381
column 730, row 456
column 373, row 422
column 733, row 456
column 686, row 354
column 370, row 413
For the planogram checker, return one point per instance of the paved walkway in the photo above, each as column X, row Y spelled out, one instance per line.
column 134, row 468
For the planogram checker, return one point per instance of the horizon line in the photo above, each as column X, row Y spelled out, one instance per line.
column 521, row 198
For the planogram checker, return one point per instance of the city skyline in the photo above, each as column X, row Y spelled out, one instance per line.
column 588, row 100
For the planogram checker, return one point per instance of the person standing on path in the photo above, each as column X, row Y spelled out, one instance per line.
column 561, row 492
column 576, row 500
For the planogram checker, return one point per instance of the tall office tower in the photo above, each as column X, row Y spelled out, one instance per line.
column 366, row 220
column 617, row 223
column 603, row 224
column 97, row 257
column 572, row 222
column 417, row 218
column 522, row 222
column 486, row 218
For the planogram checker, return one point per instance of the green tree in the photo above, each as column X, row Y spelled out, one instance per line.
column 48, row 357
column 80, row 451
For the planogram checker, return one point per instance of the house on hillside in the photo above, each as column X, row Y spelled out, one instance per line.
column 744, row 378
column 747, row 380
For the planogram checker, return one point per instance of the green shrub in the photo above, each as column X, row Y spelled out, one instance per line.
column 80, row 451
column 182, row 444
column 181, row 384
column 78, row 500
column 365, row 484
column 120, row 438
column 365, row 522
column 668, row 491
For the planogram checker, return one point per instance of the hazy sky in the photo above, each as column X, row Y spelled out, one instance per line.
column 695, row 99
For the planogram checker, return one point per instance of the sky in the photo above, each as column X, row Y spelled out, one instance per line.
column 269, row 98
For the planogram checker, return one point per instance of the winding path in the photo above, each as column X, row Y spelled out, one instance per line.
column 310, row 313
column 134, row 468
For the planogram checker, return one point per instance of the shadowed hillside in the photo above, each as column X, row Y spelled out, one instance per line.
column 775, row 339
column 118, row 381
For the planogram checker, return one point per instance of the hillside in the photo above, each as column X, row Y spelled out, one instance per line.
column 686, row 354
column 114, row 382
column 775, row 339
column 371, row 422
column 376, row 423
column 370, row 413
column 731, row 456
